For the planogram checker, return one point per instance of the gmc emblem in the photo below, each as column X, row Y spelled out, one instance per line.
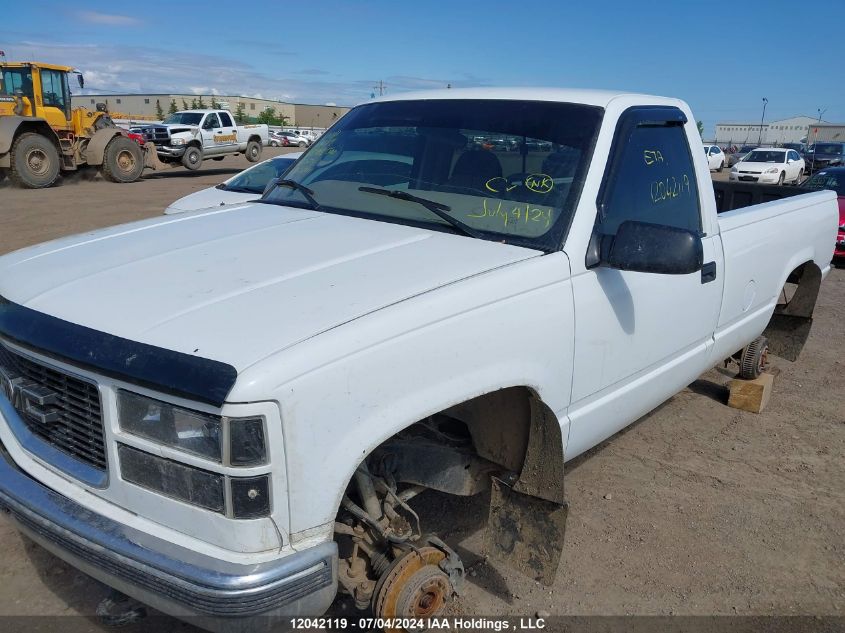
column 29, row 398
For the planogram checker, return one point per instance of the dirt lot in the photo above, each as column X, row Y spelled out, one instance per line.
column 695, row 509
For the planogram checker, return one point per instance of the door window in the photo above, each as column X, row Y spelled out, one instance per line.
column 651, row 177
column 225, row 119
column 211, row 122
column 52, row 89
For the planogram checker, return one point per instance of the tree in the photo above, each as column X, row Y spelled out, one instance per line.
column 194, row 105
column 700, row 128
column 173, row 109
column 159, row 111
column 268, row 116
column 201, row 103
column 184, row 104
column 240, row 114
column 215, row 104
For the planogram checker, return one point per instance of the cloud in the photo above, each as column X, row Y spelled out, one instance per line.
column 110, row 19
column 145, row 69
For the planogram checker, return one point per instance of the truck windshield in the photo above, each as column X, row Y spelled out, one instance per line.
column 511, row 171
column 827, row 148
column 184, row 118
column 833, row 180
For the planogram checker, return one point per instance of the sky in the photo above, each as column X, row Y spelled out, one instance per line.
column 720, row 57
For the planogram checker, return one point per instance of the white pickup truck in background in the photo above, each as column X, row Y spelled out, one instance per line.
column 227, row 413
column 190, row 136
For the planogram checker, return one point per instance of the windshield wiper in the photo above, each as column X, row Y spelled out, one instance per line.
column 305, row 191
column 225, row 187
column 438, row 209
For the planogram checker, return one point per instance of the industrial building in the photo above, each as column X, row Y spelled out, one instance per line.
column 792, row 130
column 146, row 107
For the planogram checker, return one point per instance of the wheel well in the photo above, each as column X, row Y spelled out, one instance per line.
column 790, row 324
column 255, row 138
column 39, row 127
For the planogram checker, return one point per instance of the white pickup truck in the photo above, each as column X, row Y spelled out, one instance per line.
column 189, row 136
column 226, row 413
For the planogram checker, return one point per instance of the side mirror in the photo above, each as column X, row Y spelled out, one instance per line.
column 654, row 248
column 81, row 80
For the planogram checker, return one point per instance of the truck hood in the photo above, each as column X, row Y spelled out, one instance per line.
column 211, row 197
column 242, row 282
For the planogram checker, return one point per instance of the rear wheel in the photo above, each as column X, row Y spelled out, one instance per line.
column 2, row 175
column 123, row 160
column 192, row 158
column 34, row 161
column 781, row 177
column 253, row 151
column 800, row 177
column 302, row 143
column 721, row 166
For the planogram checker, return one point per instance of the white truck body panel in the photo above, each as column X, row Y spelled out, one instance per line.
column 344, row 331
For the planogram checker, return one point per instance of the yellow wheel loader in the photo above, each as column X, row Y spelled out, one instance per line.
column 41, row 135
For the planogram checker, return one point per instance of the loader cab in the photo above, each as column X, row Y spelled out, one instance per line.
column 44, row 89
column 15, row 84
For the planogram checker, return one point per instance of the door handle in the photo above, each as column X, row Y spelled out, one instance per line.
column 708, row 272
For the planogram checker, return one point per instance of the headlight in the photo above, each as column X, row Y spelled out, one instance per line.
column 734, row 168
column 177, row 141
column 772, row 170
column 168, row 424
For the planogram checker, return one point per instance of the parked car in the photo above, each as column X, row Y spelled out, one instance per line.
column 224, row 414
column 832, row 178
column 770, row 165
column 288, row 139
column 738, row 155
column 715, row 157
column 823, row 155
column 798, row 147
column 247, row 185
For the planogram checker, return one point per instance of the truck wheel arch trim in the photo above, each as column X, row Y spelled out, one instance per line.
column 167, row 371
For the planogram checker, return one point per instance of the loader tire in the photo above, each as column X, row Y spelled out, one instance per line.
column 2, row 175
column 253, row 151
column 34, row 161
column 192, row 158
column 123, row 160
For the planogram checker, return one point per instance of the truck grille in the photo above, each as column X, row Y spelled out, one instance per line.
column 60, row 409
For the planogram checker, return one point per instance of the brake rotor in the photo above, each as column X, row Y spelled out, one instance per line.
column 413, row 587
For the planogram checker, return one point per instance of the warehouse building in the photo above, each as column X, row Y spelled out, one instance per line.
column 792, row 130
column 146, row 107
column 826, row 132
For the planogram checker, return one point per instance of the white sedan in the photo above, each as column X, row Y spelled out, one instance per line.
column 247, row 185
column 715, row 157
column 774, row 165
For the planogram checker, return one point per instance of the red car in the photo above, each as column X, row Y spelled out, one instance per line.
column 138, row 138
column 832, row 178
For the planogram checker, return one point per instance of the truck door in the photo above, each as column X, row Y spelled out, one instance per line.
column 641, row 337
column 212, row 136
column 228, row 130
column 55, row 98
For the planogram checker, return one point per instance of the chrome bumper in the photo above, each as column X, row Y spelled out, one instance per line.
column 210, row 593
column 170, row 151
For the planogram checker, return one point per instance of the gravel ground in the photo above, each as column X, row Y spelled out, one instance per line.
column 695, row 509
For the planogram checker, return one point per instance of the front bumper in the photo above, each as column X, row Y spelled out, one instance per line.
column 763, row 178
column 211, row 593
column 170, row 151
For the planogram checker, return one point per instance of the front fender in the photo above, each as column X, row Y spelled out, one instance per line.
column 346, row 391
column 96, row 147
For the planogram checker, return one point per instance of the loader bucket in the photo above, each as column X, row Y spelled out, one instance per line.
column 151, row 159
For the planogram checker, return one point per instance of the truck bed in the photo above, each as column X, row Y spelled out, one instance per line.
column 736, row 195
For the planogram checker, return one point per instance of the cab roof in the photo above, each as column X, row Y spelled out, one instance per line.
column 67, row 69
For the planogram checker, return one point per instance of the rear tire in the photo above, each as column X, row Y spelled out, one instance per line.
column 274, row 143
column 34, row 161
column 123, row 160
column 2, row 175
column 192, row 158
column 253, row 151
column 800, row 176
column 754, row 358
column 721, row 166
column 302, row 143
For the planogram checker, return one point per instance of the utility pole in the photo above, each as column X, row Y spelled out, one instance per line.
column 380, row 87
column 762, row 118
